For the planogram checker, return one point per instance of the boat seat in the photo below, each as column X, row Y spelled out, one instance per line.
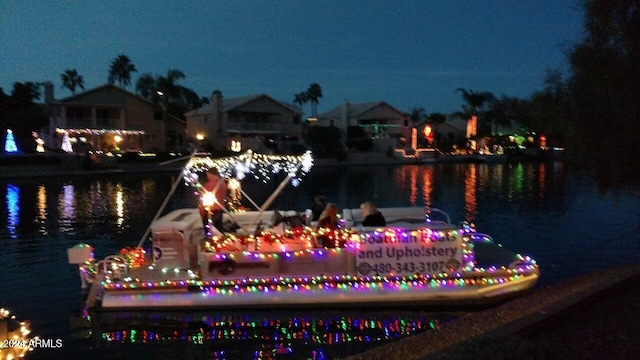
column 400, row 217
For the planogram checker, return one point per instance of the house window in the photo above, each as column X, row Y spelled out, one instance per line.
column 172, row 138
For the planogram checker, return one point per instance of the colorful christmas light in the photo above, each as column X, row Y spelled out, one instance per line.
column 270, row 336
column 348, row 240
column 90, row 131
column 10, row 143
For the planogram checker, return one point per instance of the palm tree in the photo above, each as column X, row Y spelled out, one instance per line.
column 120, row 71
column 300, row 98
column 416, row 114
column 504, row 110
column 475, row 102
column 71, row 80
column 146, row 86
column 436, row 118
column 168, row 85
column 175, row 99
column 314, row 92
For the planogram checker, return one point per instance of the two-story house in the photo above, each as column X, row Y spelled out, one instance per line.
column 109, row 118
column 381, row 121
column 377, row 118
column 248, row 122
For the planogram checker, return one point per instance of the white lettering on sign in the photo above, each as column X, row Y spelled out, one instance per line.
column 398, row 253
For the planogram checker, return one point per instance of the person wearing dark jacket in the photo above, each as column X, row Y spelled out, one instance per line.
column 371, row 215
column 317, row 207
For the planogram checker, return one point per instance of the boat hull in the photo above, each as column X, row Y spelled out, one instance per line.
column 388, row 293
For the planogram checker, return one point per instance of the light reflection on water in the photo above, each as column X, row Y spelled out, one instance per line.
column 259, row 335
column 13, row 207
column 544, row 210
column 42, row 210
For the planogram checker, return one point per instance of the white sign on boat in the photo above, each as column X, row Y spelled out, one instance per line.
column 396, row 252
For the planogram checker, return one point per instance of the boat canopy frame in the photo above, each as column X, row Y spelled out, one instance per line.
column 238, row 167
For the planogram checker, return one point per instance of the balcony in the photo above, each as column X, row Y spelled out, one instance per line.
column 87, row 122
column 251, row 127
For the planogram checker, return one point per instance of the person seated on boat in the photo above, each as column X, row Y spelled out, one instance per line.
column 328, row 221
column 371, row 215
column 329, row 217
column 317, row 207
column 216, row 186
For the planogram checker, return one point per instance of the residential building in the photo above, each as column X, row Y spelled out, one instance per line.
column 379, row 119
column 384, row 123
column 108, row 118
column 249, row 122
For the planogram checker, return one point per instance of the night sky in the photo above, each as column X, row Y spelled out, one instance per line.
column 407, row 53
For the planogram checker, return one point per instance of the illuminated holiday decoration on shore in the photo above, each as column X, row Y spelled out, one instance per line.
column 89, row 131
column 10, row 143
column 66, row 143
column 472, row 126
column 427, row 132
column 39, row 142
column 14, row 336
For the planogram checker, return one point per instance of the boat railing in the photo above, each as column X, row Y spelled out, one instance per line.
column 431, row 210
column 480, row 237
column 113, row 264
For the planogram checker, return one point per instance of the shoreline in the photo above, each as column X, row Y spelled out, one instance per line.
column 480, row 334
column 72, row 165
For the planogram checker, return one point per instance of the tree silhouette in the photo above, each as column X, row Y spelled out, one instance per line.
column 20, row 112
column 301, row 98
column 604, row 86
column 436, row 118
column 120, row 71
column 475, row 103
column 416, row 114
column 71, row 79
column 175, row 98
column 146, row 86
column 314, row 92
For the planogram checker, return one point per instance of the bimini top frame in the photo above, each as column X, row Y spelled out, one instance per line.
column 261, row 166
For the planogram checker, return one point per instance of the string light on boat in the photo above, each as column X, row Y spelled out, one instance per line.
column 230, row 248
column 261, row 166
column 342, row 282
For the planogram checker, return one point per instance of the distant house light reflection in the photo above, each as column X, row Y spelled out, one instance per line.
column 66, row 207
column 42, row 209
column 13, row 209
column 120, row 204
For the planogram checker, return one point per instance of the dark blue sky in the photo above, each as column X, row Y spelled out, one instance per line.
column 408, row 53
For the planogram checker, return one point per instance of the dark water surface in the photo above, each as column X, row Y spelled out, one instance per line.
column 546, row 210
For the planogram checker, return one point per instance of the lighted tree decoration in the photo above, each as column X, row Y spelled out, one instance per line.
column 66, row 143
column 10, row 143
column 39, row 142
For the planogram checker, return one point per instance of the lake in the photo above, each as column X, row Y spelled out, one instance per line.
column 547, row 210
